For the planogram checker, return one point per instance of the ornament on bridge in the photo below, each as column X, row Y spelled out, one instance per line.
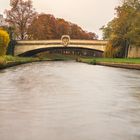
column 65, row 40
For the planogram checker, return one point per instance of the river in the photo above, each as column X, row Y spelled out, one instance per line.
column 69, row 101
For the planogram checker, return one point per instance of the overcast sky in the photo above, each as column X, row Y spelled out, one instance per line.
column 89, row 14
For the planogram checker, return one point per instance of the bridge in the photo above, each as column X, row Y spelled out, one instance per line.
column 30, row 48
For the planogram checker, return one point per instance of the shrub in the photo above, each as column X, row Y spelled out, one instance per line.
column 4, row 41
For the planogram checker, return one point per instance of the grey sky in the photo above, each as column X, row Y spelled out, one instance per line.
column 89, row 14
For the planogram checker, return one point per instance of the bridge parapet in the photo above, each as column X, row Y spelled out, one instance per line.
column 41, row 42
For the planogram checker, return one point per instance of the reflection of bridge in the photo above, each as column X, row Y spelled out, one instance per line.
column 28, row 48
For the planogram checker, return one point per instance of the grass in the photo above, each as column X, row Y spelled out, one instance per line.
column 110, row 60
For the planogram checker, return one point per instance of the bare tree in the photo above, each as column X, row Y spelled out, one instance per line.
column 20, row 16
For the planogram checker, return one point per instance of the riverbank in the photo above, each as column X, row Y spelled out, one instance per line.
column 10, row 61
column 113, row 62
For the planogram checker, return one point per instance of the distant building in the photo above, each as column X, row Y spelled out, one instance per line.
column 2, row 21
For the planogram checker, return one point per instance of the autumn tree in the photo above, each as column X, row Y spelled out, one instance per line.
column 20, row 16
column 63, row 27
column 4, row 41
column 46, row 26
column 78, row 33
column 75, row 31
column 124, row 29
column 14, row 3
column 43, row 27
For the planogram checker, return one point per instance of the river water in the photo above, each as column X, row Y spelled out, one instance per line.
column 69, row 101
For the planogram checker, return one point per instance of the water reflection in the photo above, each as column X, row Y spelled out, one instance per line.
column 69, row 101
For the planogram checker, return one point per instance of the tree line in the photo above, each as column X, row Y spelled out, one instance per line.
column 124, row 30
column 26, row 23
column 46, row 26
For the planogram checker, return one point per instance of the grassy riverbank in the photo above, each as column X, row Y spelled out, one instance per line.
column 9, row 61
column 110, row 60
column 113, row 62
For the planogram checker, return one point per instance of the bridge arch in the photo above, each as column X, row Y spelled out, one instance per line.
column 64, row 50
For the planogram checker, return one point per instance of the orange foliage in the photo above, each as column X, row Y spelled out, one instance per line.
column 46, row 26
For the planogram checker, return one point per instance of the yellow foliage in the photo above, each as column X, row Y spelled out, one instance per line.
column 110, row 51
column 4, row 41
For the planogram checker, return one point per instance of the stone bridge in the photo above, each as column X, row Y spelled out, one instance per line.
column 24, row 47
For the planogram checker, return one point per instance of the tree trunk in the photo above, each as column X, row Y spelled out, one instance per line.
column 126, row 48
